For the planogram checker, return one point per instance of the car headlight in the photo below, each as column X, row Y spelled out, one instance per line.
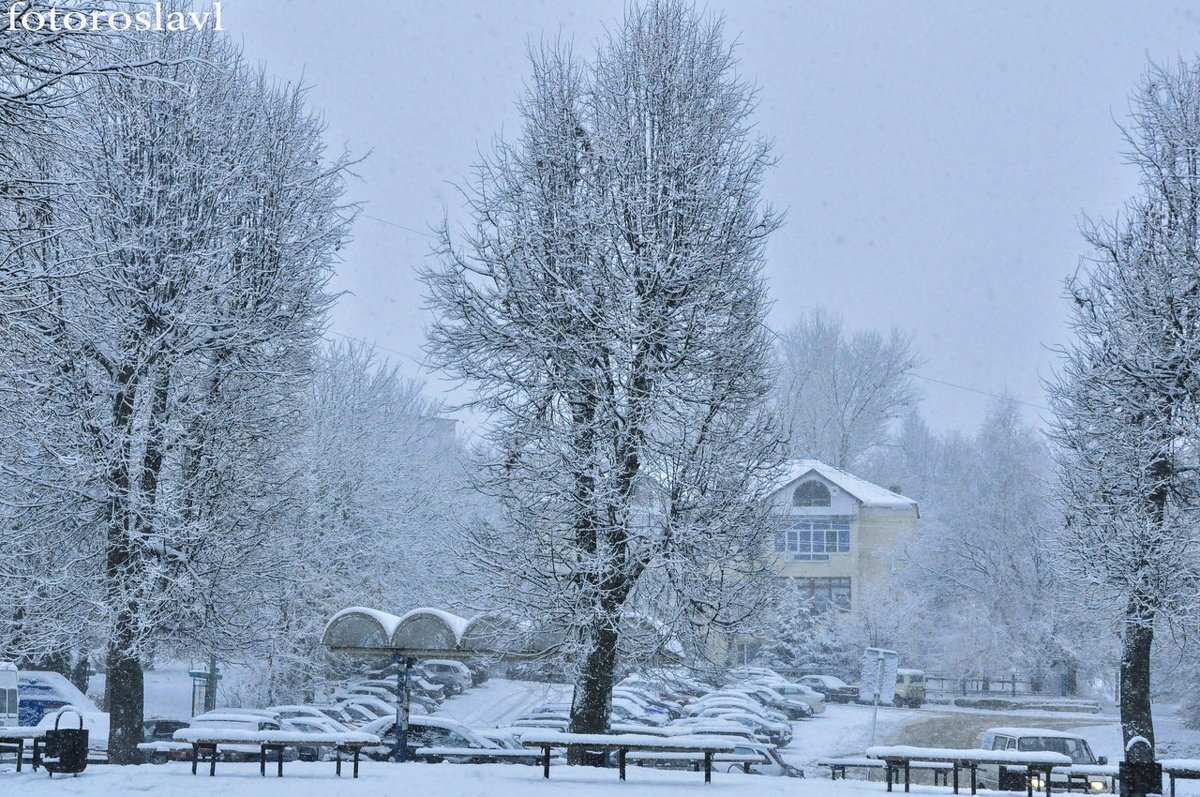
column 1097, row 785
column 1037, row 783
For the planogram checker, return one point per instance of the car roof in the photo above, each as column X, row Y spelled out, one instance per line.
column 1047, row 732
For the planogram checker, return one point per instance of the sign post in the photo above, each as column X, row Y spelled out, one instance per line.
column 878, row 682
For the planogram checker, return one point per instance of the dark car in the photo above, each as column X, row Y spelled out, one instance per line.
column 161, row 730
column 835, row 689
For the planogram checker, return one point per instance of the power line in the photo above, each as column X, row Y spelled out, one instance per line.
column 413, row 230
column 979, row 392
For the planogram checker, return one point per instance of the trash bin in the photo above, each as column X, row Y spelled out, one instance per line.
column 1139, row 778
column 65, row 750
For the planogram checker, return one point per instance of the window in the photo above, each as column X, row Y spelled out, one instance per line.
column 811, row 493
column 812, row 539
column 826, row 592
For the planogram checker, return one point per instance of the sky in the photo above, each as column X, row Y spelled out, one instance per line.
column 936, row 159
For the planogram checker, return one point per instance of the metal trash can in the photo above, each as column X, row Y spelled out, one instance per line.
column 65, row 750
column 1139, row 778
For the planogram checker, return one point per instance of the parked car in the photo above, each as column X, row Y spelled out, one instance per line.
column 796, row 691
column 479, row 671
column 769, row 763
column 1028, row 740
column 425, row 732
column 910, row 688
column 158, row 729
column 454, row 676
column 314, row 725
column 240, row 720
column 835, row 689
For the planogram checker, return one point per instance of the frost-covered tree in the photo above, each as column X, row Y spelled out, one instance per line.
column 162, row 314
column 1126, row 398
column 380, row 487
column 839, row 393
column 607, row 306
column 804, row 637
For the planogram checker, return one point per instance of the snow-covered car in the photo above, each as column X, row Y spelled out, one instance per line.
column 835, row 689
column 240, row 720
column 425, row 732
column 795, row 691
column 321, row 725
column 162, row 731
column 448, row 673
column 769, row 763
column 793, row 708
column 1029, row 740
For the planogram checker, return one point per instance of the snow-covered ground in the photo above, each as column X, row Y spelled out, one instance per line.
column 841, row 730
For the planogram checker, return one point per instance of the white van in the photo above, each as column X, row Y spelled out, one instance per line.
column 1029, row 740
column 9, row 700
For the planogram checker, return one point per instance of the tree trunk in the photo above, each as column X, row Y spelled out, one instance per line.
column 591, row 704
column 210, row 685
column 124, row 693
column 1136, row 717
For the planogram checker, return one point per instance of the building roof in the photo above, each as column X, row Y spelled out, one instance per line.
column 864, row 491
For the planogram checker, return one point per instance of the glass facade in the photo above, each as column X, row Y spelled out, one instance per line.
column 813, row 539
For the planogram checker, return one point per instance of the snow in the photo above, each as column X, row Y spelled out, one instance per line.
column 387, row 622
column 993, row 756
column 304, row 779
column 453, row 621
column 866, row 492
column 632, row 739
column 202, row 734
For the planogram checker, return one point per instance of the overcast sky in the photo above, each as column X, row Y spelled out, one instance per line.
column 935, row 159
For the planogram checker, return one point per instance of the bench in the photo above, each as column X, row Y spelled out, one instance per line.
column 12, row 740
column 837, row 767
column 1081, row 775
column 208, row 740
column 1180, row 769
column 624, row 743
column 902, row 757
column 476, row 755
column 697, row 759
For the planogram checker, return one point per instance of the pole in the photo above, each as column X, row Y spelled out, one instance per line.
column 878, row 689
column 401, row 690
column 402, row 711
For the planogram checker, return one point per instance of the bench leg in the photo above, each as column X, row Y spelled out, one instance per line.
column 956, row 778
column 621, row 761
column 195, row 757
column 20, row 752
column 279, row 750
column 262, row 761
column 906, row 777
column 212, row 761
column 357, row 750
column 546, row 762
column 337, row 757
column 888, row 767
column 973, row 782
column 708, row 759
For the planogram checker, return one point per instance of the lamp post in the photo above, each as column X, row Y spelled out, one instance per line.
column 403, row 672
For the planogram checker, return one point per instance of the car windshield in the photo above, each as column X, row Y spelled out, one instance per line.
column 1076, row 749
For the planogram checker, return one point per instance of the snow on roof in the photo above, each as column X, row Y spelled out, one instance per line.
column 867, row 493
column 387, row 621
column 457, row 624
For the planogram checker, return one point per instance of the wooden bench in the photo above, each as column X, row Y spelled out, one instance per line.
column 479, row 754
column 207, row 741
column 902, row 757
column 1180, row 769
column 622, row 744
column 696, row 759
column 837, row 767
column 13, row 739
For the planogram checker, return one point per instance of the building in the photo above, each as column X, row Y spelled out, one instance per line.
column 837, row 532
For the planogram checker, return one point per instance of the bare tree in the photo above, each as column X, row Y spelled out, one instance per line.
column 840, row 393
column 607, row 305
column 1126, row 400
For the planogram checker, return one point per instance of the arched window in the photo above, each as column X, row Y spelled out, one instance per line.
column 811, row 493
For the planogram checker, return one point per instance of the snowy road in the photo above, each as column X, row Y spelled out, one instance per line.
column 499, row 701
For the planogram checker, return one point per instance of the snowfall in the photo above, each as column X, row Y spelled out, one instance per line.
column 840, row 731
